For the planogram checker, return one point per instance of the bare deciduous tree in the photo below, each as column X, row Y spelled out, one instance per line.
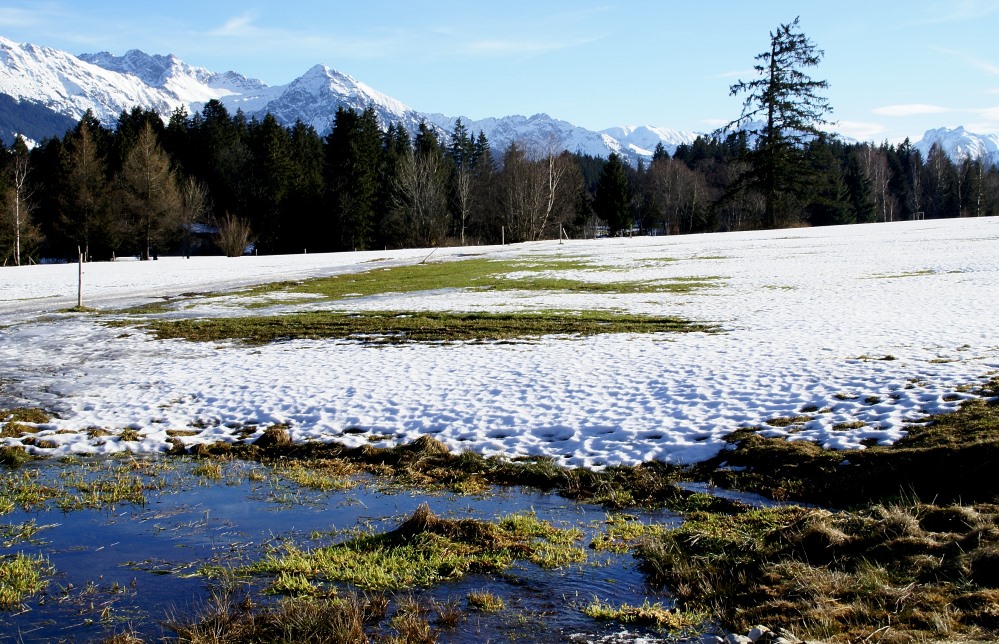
column 18, row 200
column 536, row 195
column 420, row 205
column 194, row 207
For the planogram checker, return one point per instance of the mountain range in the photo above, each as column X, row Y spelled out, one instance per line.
column 45, row 91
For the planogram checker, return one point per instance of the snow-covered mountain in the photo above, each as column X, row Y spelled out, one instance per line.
column 960, row 144
column 42, row 89
column 315, row 96
column 172, row 75
column 106, row 84
column 642, row 140
column 70, row 86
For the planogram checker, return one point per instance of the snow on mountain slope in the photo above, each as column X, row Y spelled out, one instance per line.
column 537, row 134
column 643, row 139
column 41, row 78
column 69, row 86
column 960, row 144
column 315, row 97
column 169, row 73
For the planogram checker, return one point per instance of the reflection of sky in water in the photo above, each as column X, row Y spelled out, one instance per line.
column 149, row 552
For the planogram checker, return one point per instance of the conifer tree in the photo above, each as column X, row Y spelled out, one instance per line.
column 612, row 199
column 859, row 190
column 782, row 111
column 149, row 199
column 304, row 202
column 462, row 151
column 272, row 175
column 353, row 151
column 84, row 204
column 828, row 194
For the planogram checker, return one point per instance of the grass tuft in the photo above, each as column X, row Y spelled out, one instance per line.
column 655, row 615
column 425, row 550
column 485, row 601
column 21, row 577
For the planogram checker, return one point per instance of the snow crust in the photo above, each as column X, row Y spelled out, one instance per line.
column 863, row 329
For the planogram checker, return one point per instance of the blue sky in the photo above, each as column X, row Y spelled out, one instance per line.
column 895, row 69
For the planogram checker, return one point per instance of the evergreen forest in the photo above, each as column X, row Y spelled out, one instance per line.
column 215, row 182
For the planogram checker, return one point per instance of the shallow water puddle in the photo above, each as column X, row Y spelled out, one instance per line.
column 133, row 566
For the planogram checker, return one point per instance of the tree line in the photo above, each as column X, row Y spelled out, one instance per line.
column 217, row 182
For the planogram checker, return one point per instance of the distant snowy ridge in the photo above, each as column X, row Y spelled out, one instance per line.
column 41, row 78
column 109, row 84
column 70, row 86
column 314, row 98
column 186, row 83
column 960, row 144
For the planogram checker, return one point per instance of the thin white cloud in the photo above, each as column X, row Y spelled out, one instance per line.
column 741, row 73
column 237, row 26
column 17, row 18
column 520, row 48
column 971, row 60
column 950, row 11
column 988, row 113
column 911, row 109
column 860, row 130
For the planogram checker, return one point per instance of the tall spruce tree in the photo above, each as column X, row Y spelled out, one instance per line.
column 612, row 199
column 353, row 155
column 782, row 111
column 273, row 172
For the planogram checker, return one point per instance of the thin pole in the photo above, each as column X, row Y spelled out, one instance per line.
column 79, row 289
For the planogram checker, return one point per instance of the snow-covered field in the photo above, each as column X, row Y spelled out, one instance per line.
column 808, row 316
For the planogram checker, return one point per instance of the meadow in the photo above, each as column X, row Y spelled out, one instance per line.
column 558, row 407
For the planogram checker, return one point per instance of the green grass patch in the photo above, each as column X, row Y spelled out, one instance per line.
column 919, row 273
column 11, row 535
column 425, row 550
column 427, row 464
column 485, row 601
column 341, row 617
column 20, row 577
column 423, row 326
column 656, row 615
column 478, row 273
column 326, row 475
column 25, row 490
column 623, row 532
column 80, row 485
